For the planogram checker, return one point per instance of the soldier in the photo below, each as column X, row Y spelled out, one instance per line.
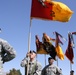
column 71, row 72
column 7, row 53
column 34, row 66
column 51, row 69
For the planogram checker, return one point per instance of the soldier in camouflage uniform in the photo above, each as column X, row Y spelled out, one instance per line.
column 72, row 72
column 34, row 66
column 51, row 69
column 7, row 53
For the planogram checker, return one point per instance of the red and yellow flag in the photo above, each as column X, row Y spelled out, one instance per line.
column 50, row 10
column 39, row 46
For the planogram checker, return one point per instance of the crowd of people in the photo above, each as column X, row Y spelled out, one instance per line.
column 35, row 67
column 32, row 66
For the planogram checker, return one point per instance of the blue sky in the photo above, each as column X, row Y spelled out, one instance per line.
column 15, row 21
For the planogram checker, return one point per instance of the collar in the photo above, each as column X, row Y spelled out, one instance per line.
column 32, row 62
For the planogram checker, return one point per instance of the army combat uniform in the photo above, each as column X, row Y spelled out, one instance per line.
column 34, row 67
column 7, row 53
column 51, row 70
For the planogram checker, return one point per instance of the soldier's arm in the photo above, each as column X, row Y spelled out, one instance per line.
column 43, row 71
column 59, row 71
column 10, row 52
column 24, row 61
column 38, row 69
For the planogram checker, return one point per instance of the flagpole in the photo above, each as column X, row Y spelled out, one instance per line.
column 29, row 41
column 70, row 66
column 57, row 61
column 45, row 59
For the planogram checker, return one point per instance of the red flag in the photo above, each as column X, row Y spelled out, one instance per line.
column 74, row 33
column 69, row 52
column 40, row 11
column 50, row 10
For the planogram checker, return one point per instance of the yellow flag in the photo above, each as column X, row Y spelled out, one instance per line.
column 60, row 53
column 63, row 12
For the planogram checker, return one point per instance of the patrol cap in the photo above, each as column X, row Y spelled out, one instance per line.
column 72, row 71
column 32, row 51
column 50, row 58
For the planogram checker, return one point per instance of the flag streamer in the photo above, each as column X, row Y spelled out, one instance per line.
column 59, row 51
column 45, row 47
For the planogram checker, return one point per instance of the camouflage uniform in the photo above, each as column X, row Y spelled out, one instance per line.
column 51, row 70
column 34, row 67
column 7, row 53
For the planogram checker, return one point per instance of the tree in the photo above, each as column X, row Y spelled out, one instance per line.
column 14, row 72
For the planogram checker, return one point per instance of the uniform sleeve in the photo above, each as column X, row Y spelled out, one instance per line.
column 38, row 69
column 9, row 50
column 59, row 71
column 43, row 71
column 24, row 61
